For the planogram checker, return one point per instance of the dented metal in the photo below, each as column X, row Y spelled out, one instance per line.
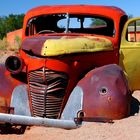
column 101, row 96
column 68, row 73
column 107, row 94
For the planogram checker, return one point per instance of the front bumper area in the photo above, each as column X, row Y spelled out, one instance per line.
column 38, row 121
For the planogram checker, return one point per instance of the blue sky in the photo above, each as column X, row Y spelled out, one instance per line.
column 131, row 7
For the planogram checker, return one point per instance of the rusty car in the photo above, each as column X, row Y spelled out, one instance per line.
column 76, row 63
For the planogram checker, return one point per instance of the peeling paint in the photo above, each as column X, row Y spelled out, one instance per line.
column 54, row 47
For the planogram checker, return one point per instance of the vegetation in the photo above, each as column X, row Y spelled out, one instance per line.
column 97, row 22
column 3, row 44
column 10, row 23
column 17, row 45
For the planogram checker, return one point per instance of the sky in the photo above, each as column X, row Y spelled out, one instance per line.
column 131, row 7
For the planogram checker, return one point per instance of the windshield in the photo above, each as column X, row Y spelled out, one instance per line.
column 70, row 23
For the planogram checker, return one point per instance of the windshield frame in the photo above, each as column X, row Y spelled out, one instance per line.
column 67, row 29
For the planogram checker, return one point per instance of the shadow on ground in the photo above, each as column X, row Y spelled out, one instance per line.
column 9, row 129
column 134, row 106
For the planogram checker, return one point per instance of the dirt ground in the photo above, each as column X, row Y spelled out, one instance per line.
column 125, row 129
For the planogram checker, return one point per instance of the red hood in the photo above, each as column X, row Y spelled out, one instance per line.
column 35, row 44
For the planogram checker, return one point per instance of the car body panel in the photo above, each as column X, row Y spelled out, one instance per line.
column 57, row 62
column 70, row 52
column 75, row 45
column 129, row 58
column 8, row 83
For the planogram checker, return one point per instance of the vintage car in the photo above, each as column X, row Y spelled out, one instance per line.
column 76, row 63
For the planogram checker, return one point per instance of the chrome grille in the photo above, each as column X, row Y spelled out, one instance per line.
column 47, row 90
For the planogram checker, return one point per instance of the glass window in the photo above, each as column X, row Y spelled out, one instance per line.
column 73, row 23
column 133, row 34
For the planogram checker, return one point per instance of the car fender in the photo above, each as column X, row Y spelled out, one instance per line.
column 20, row 100
column 102, row 95
column 7, row 84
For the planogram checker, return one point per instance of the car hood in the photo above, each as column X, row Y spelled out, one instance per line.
column 58, row 45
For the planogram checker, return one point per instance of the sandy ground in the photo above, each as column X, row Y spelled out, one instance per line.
column 125, row 129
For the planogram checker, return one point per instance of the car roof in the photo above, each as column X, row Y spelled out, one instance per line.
column 107, row 11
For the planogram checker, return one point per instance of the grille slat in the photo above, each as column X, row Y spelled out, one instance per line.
column 36, row 90
column 36, row 85
column 47, row 90
column 37, row 102
column 36, row 94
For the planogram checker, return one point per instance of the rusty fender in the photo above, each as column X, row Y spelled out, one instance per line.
column 107, row 93
column 38, row 121
column 102, row 95
column 7, row 84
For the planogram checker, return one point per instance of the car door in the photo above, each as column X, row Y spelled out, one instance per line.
column 130, row 52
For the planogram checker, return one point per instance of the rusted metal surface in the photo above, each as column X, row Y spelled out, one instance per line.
column 51, row 78
column 106, row 93
column 101, row 96
column 47, row 89
column 74, row 45
column 8, row 83
column 35, row 44
column 50, row 45
column 75, row 66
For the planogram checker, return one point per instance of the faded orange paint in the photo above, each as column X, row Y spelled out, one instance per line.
column 11, row 37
